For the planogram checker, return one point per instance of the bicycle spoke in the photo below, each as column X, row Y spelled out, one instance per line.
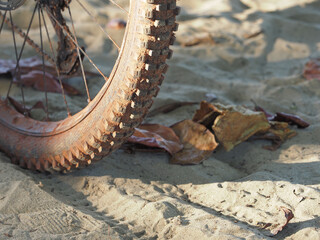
column 84, row 53
column 16, row 73
column 96, row 21
column 64, row 32
column 79, row 56
column 19, row 57
column 4, row 16
column 43, row 67
column 27, row 34
column 119, row 6
column 15, row 48
column 55, row 64
column 28, row 39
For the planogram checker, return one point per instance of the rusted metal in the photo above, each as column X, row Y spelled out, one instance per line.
column 67, row 57
column 28, row 39
column 103, row 125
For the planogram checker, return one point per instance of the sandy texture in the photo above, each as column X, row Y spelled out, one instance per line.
column 248, row 49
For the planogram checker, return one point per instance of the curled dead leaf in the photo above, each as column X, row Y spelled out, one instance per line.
column 278, row 133
column 206, row 114
column 31, row 75
column 236, row 124
column 34, row 79
column 198, row 143
column 291, row 119
column 288, row 215
column 24, row 109
column 312, row 69
column 155, row 135
column 282, row 117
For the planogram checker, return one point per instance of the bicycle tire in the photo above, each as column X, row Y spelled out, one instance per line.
column 119, row 107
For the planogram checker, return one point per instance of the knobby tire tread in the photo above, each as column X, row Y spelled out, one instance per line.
column 123, row 106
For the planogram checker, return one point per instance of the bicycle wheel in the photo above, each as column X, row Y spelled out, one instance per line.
column 120, row 105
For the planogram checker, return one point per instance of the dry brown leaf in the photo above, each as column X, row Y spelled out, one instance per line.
column 34, row 79
column 236, row 124
column 206, row 114
column 24, row 109
column 288, row 215
column 155, row 135
column 233, row 125
column 312, row 69
column 282, row 117
column 278, row 133
column 291, row 119
column 31, row 75
column 197, row 140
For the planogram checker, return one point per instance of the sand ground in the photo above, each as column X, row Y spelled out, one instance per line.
column 248, row 49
